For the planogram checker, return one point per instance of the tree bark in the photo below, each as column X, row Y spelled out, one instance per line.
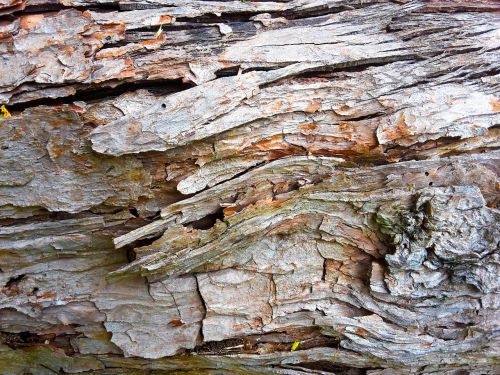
column 199, row 186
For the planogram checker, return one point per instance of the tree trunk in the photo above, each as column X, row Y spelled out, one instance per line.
column 240, row 187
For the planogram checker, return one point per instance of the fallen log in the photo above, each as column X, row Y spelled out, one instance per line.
column 243, row 187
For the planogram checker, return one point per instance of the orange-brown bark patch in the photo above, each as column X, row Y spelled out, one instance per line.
column 313, row 106
column 399, row 130
column 29, row 22
column 176, row 322
column 308, row 128
column 343, row 110
column 47, row 295
column 277, row 105
column 228, row 211
column 288, row 225
column 151, row 42
column 134, row 128
column 495, row 104
column 109, row 31
column 166, row 19
column 361, row 332
column 274, row 142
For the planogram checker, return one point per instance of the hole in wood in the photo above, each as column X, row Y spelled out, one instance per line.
column 14, row 281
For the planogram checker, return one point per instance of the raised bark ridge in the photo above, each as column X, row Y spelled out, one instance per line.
column 256, row 174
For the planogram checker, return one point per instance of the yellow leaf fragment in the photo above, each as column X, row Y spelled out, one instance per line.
column 160, row 30
column 295, row 345
column 5, row 112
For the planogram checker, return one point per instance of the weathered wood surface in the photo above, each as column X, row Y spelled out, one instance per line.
column 258, row 173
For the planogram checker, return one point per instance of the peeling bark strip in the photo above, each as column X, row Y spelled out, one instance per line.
column 258, row 174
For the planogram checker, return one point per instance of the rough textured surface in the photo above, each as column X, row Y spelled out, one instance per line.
column 196, row 198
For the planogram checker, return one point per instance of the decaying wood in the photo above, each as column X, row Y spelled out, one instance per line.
column 196, row 198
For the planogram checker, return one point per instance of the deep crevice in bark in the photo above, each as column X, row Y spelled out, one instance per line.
column 95, row 95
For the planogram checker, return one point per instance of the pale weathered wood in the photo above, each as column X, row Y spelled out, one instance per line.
column 197, row 198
